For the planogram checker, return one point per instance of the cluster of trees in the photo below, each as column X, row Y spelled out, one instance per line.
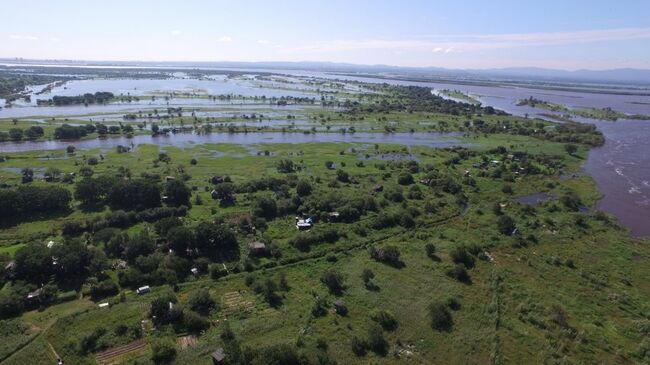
column 17, row 134
column 27, row 199
column 100, row 97
column 12, row 85
column 417, row 99
column 129, row 194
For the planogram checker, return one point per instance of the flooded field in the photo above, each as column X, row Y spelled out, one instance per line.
column 620, row 167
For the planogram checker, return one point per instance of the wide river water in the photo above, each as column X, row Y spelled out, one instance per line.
column 621, row 168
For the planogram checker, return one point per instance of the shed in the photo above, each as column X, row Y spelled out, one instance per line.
column 333, row 216
column 218, row 356
column 257, row 248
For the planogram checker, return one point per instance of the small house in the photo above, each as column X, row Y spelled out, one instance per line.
column 143, row 290
column 378, row 188
column 169, row 178
column 195, row 271
column 218, row 356
column 50, row 244
column 35, row 294
column 103, row 305
column 304, row 224
column 257, row 248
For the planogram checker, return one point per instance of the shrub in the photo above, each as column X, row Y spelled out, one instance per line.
column 385, row 319
column 376, row 341
column 460, row 255
column 359, row 346
column 430, row 248
column 334, row 281
column 163, row 351
column 405, row 179
column 201, row 301
column 388, row 254
column 440, row 317
column 459, row 273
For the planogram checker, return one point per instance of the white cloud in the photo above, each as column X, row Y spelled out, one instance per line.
column 472, row 42
column 176, row 32
column 225, row 39
column 23, row 37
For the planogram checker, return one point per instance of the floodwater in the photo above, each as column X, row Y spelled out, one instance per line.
column 621, row 168
column 534, row 200
column 437, row 140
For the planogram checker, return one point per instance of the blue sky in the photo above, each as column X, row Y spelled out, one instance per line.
column 566, row 34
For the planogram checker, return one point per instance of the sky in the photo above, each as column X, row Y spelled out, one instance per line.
column 467, row 34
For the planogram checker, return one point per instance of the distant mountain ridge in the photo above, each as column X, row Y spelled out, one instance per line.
column 621, row 75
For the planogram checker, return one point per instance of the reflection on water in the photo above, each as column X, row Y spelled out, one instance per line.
column 438, row 140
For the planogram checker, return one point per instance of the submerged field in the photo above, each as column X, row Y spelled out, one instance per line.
column 416, row 254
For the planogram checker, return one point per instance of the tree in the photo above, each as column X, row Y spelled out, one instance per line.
column 177, row 193
column 265, row 207
column 27, row 175
column 34, row 132
column 16, row 134
column 570, row 148
column 216, row 240
column 180, row 238
column 303, row 188
column 34, row 263
column 194, row 322
column 506, row 225
column 140, row 244
column 201, row 301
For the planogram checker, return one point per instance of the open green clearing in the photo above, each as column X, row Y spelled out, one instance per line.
column 431, row 258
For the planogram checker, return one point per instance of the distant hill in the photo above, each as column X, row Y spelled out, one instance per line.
column 620, row 76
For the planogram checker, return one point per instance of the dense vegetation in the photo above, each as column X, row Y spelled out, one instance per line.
column 414, row 255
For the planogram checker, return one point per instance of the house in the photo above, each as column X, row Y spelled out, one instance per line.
column 50, row 244
column 257, row 248
column 304, row 224
column 169, row 178
column 103, row 305
column 35, row 294
column 195, row 271
column 143, row 289
column 218, row 356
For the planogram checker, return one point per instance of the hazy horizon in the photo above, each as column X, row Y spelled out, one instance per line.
column 577, row 35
